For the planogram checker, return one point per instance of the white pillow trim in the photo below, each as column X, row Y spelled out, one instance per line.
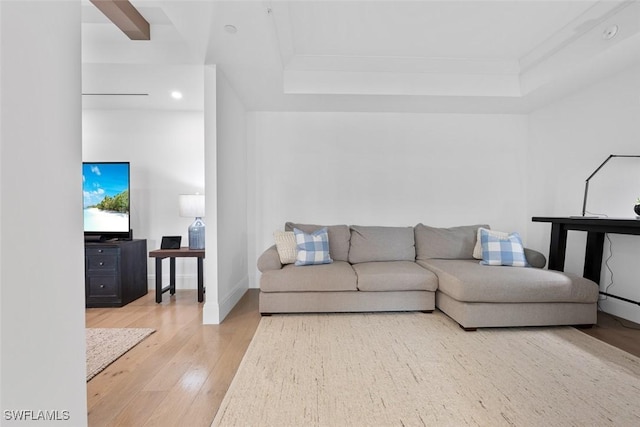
column 477, row 250
column 503, row 251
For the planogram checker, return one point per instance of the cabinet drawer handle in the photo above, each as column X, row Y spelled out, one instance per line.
column 101, row 286
column 101, row 263
column 100, row 251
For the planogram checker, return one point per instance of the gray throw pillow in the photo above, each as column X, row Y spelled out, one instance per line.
column 446, row 243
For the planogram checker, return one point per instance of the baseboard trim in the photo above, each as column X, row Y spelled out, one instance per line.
column 234, row 296
column 214, row 312
column 210, row 313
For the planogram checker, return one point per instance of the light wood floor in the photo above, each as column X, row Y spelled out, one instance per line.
column 179, row 375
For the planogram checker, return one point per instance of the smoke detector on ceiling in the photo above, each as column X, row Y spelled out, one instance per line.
column 610, row 32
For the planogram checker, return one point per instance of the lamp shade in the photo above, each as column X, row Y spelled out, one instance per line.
column 191, row 205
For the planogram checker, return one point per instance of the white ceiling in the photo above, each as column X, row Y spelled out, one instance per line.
column 405, row 56
column 484, row 30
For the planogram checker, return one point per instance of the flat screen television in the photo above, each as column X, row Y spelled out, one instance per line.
column 105, row 188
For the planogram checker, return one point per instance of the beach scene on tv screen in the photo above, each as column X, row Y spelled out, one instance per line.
column 106, row 197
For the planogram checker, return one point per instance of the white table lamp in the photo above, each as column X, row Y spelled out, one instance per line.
column 192, row 205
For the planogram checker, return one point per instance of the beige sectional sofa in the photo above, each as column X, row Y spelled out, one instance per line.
column 420, row 268
column 373, row 269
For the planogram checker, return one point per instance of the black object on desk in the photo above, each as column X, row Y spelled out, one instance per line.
column 172, row 254
column 171, row 242
column 596, row 229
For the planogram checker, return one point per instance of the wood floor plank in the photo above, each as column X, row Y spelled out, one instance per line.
column 180, row 374
column 110, row 318
column 137, row 412
column 115, row 387
column 132, row 382
column 618, row 332
column 201, row 350
column 116, row 374
column 158, row 381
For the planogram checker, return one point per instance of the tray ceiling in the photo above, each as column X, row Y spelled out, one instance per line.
column 432, row 56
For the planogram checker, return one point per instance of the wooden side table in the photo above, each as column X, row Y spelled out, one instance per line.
column 172, row 254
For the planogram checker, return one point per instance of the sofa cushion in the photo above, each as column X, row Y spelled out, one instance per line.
column 394, row 276
column 338, row 276
column 498, row 250
column 446, row 243
column 371, row 244
column 313, row 248
column 467, row 280
column 339, row 236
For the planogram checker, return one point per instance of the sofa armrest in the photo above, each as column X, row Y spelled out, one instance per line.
column 534, row 258
column 269, row 260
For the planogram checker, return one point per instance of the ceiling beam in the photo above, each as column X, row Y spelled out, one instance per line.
column 126, row 17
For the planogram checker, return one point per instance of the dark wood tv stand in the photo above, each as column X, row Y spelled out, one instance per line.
column 115, row 272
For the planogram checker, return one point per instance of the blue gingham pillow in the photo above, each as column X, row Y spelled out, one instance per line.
column 502, row 250
column 312, row 248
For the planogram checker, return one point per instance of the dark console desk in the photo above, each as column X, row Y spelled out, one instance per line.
column 596, row 228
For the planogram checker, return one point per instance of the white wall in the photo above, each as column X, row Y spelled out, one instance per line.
column 41, row 243
column 166, row 151
column 386, row 169
column 232, row 194
column 1, row 142
column 211, row 309
column 567, row 141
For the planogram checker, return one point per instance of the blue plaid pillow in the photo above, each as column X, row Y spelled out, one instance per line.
column 312, row 248
column 506, row 250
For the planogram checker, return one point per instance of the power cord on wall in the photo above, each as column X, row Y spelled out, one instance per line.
column 611, row 282
column 608, row 267
column 606, row 262
column 623, row 325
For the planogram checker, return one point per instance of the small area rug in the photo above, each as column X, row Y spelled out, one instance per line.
column 106, row 345
column 417, row 369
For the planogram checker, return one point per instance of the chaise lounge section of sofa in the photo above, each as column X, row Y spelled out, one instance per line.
column 476, row 295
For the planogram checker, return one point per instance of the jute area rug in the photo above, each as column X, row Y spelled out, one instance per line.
column 106, row 345
column 418, row 369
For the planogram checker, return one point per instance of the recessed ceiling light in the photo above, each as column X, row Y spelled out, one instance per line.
column 176, row 95
column 610, row 32
column 231, row 29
